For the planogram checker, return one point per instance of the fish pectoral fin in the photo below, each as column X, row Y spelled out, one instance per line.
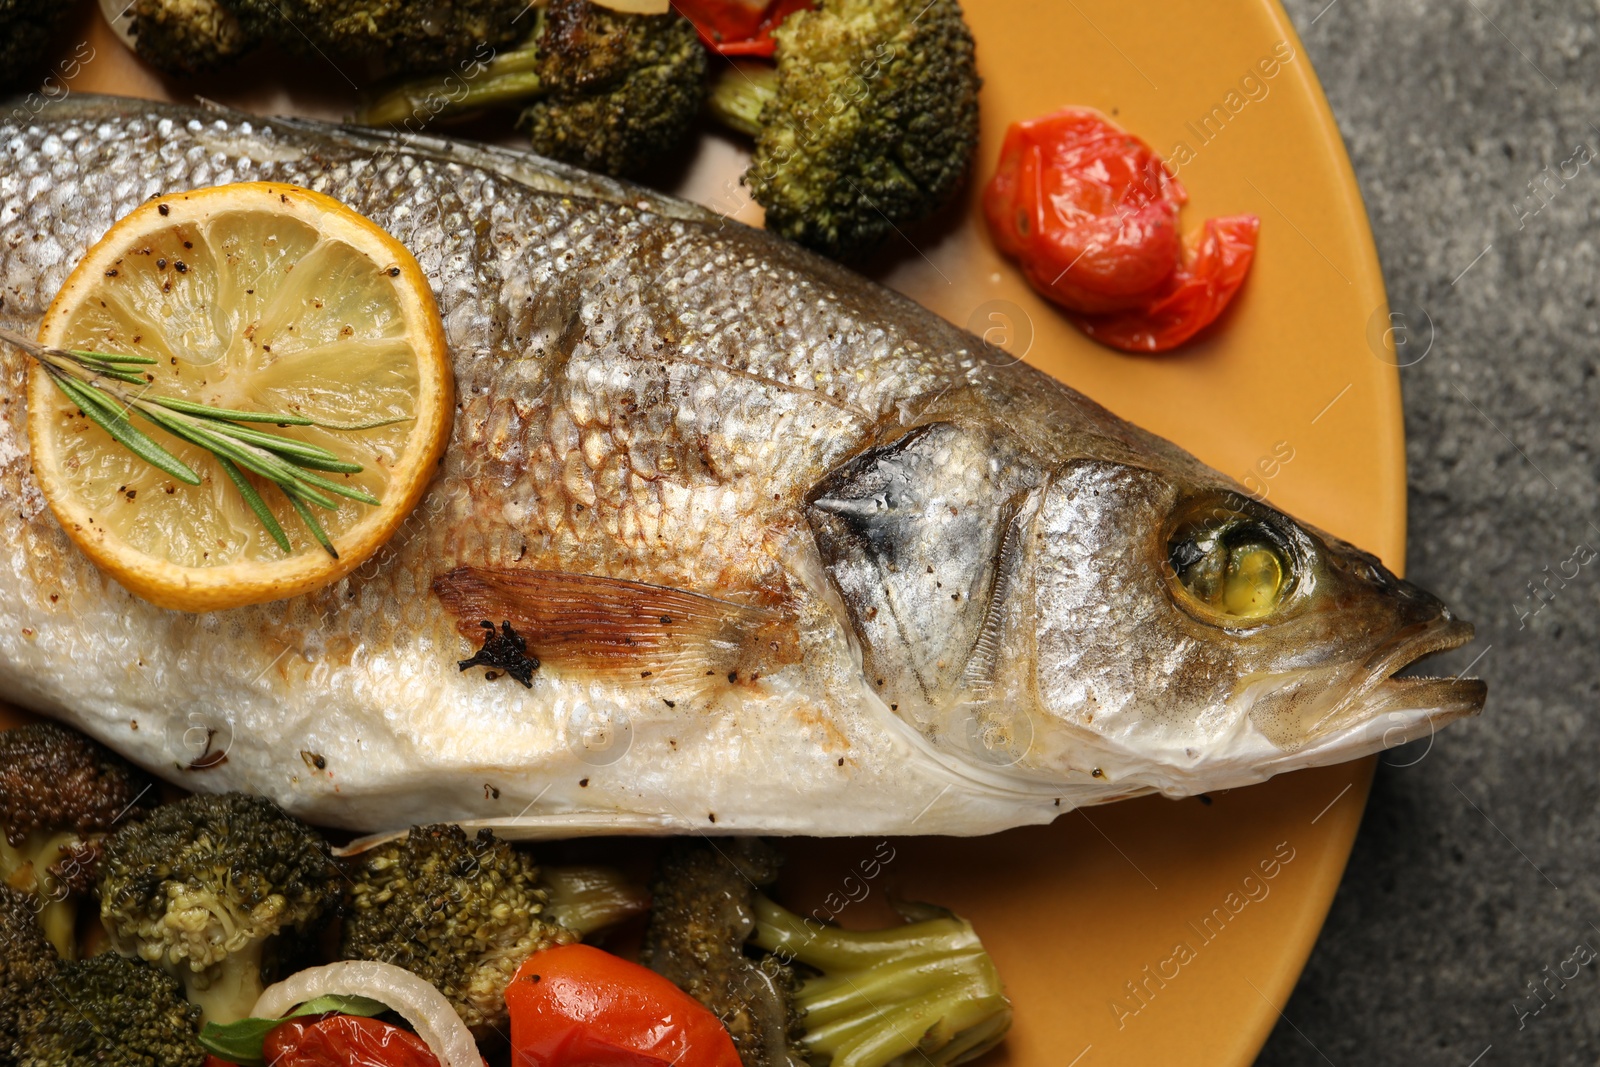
column 622, row 631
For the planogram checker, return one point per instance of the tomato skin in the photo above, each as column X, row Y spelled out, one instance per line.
column 576, row 1006
column 344, row 1041
column 739, row 27
column 1201, row 289
column 1091, row 215
column 1089, row 210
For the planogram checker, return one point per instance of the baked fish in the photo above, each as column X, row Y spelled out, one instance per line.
column 726, row 536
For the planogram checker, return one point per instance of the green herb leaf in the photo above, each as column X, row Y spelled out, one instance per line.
column 112, row 357
column 284, row 446
column 352, row 427
column 257, row 505
column 205, row 411
column 312, row 524
column 85, row 378
column 360, row 495
column 93, row 404
column 241, row 1042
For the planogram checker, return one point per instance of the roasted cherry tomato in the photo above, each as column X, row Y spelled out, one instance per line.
column 576, row 1006
column 739, row 27
column 1196, row 295
column 344, row 1041
column 1091, row 214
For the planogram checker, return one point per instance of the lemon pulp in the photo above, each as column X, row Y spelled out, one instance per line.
column 251, row 297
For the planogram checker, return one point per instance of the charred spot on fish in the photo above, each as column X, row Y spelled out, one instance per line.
column 504, row 651
column 583, row 783
column 315, row 760
column 208, row 760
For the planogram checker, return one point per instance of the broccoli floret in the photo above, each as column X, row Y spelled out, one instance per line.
column 603, row 90
column 207, row 886
column 702, row 915
column 464, row 912
column 109, row 1012
column 868, row 123
column 402, row 36
column 188, row 36
column 624, row 89
column 26, row 959
column 26, row 28
column 59, row 791
column 461, row 912
column 926, row 991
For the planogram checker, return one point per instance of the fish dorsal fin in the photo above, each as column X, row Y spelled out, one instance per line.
column 625, row 632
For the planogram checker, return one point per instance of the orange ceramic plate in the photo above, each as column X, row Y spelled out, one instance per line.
column 1148, row 932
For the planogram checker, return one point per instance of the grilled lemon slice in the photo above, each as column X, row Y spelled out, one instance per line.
column 253, row 297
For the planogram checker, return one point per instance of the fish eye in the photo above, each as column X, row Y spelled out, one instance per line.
column 1237, row 568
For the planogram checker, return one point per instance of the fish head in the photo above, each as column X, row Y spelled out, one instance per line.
column 1191, row 637
column 1118, row 622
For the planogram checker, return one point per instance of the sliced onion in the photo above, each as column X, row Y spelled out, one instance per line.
column 417, row 1001
column 119, row 16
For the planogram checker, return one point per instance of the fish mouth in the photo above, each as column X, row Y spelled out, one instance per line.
column 1387, row 711
column 1409, row 646
column 1412, row 643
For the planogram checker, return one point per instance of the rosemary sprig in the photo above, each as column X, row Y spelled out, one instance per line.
column 94, row 382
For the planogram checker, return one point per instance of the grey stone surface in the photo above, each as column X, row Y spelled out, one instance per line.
column 1476, row 867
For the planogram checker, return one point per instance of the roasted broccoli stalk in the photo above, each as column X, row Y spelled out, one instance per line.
column 59, row 793
column 791, row 989
column 401, row 36
column 213, row 889
column 108, row 1012
column 188, row 36
column 868, row 123
column 701, row 917
column 926, row 990
column 587, row 900
column 600, row 89
column 26, row 28
column 464, row 912
column 26, row 960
